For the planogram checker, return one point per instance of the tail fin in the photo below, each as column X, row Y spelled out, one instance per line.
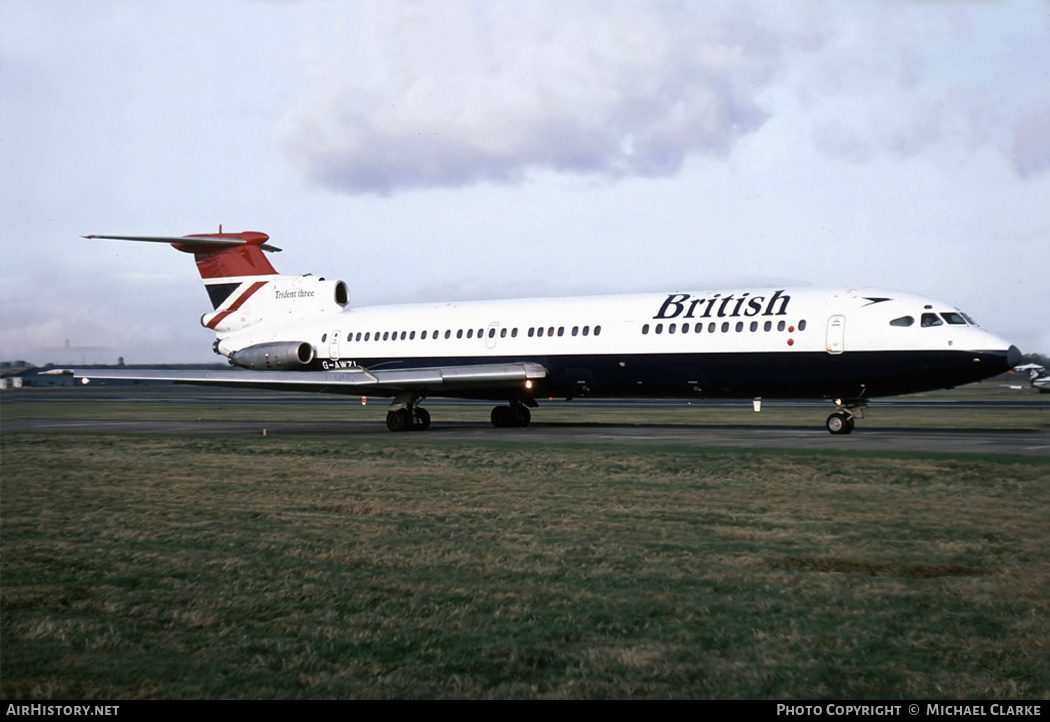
column 235, row 270
column 224, row 260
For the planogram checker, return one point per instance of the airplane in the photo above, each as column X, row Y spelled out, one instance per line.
column 300, row 333
column 1037, row 377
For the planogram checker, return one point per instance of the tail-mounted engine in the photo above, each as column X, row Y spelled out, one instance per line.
column 279, row 356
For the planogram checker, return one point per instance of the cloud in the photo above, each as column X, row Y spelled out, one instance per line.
column 931, row 80
column 1030, row 149
column 413, row 95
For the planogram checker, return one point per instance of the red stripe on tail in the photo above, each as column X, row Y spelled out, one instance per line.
column 245, row 259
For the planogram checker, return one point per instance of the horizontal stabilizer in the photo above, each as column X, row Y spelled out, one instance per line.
column 218, row 242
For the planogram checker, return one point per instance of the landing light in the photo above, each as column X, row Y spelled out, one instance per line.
column 528, row 384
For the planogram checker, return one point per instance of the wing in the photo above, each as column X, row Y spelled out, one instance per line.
column 436, row 381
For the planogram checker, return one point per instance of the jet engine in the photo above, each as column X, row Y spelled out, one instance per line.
column 279, row 356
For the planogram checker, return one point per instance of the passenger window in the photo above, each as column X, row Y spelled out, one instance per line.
column 802, row 325
column 459, row 333
column 324, row 337
column 503, row 333
column 514, row 332
column 470, row 333
column 597, row 330
column 711, row 327
column 492, row 332
column 561, row 330
column 645, row 329
column 698, row 328
column 739, row 326
column 685, row 328
column 725, row 327
column 780, row 326
column 586, row 330
column 402, row 335
column 953, row 318
column 659, row 328
column 767, row 326
column 575, row 330
column 930, row 319
column 754, row 326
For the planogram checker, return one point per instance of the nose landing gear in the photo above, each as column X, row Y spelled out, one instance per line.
column 839, row 423
column 843, row 420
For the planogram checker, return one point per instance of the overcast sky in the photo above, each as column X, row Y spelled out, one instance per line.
column 427, row 151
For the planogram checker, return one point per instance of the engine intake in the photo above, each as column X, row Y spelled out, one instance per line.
column 279, row 356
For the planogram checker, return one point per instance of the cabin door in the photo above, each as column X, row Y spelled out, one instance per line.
column 836, row 335
column 333, row 346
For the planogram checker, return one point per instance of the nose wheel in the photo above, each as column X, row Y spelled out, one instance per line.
column 845, row 416
column 840, row 422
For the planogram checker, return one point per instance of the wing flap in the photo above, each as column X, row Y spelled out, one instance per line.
column 436, row 379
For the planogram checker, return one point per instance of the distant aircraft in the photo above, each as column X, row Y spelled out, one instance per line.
column 1037, row 376
column 300, row 333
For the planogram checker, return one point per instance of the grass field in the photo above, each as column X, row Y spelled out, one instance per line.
column 145, row 566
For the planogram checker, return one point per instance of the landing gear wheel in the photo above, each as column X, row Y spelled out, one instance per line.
column 517, row 415
column 522, row 415
column 420, row 419
column 839, row 423
column 400, row 420
column 502, row 417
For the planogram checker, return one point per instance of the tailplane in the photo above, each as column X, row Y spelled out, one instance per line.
column 224, row 260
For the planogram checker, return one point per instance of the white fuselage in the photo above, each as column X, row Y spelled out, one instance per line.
column 721, row 337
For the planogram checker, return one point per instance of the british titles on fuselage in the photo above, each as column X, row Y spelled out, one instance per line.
column 728, row 306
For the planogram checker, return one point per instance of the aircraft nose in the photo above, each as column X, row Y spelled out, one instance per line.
column 1013, row 356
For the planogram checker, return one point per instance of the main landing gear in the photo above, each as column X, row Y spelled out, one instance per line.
column 516, row 415
column 405, row 414
column 417, row 419
column 843, row 420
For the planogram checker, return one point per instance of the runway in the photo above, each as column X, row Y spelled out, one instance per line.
column 981, row 441
column 710, row 435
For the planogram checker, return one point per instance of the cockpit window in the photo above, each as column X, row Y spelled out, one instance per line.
column 954, row 318
column 968, row 318
column 902, row 321
column 930, row 319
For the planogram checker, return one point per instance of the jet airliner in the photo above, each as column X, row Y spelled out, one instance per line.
column 301, row 333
